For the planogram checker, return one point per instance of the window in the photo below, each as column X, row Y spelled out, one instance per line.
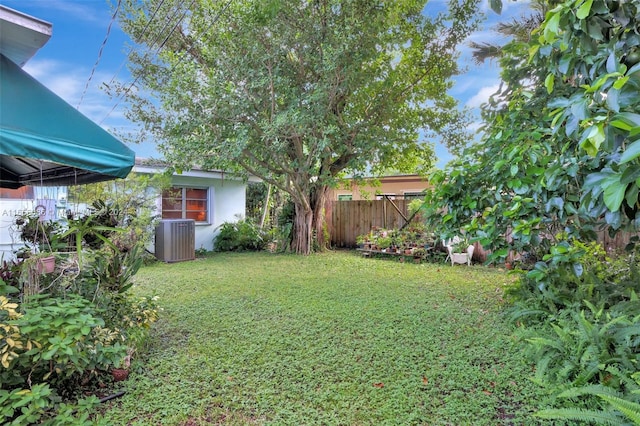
column 345, row 197
column 185, row 203
column 414, row 195
column 385, row 196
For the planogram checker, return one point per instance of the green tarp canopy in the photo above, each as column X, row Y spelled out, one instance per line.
column 44, row 141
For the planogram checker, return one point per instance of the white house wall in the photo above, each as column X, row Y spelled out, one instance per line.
column 227, row 200
column 49, row 202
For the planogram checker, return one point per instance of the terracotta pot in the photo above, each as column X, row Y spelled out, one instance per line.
column 46, row 265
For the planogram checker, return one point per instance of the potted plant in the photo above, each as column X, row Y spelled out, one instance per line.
column 384, row 243
column 460, row 251
column 363, row 241
column 418, row 254
column 46, row 263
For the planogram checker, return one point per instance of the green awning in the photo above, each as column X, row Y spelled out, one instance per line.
column 45, row 141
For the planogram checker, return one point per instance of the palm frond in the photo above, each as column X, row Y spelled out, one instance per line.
column 484, row 51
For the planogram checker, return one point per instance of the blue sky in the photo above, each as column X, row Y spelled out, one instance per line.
column 65, row 63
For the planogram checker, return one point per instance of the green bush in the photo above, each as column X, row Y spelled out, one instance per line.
column 572, row 276
column 40, row 405
column 54, row 341
column 44, row 353
column 242, row 235
column 578, row 312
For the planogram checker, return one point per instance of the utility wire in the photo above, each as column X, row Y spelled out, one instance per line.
column 156, row 39
column 215, row 20
column 104, row 43
column 142, row 36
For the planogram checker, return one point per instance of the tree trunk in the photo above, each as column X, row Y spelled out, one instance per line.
column 302, row 230
column 318, row 202
column 309, row 223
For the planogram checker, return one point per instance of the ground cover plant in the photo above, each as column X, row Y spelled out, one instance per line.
column 334, row 338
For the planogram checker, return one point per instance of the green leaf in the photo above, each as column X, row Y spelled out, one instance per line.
column 496, row 6
column 592, row 139
column 548, row 83
column 631, row 153
column 629, row 408
column 564, row 63
column 501, row 253
column 629, row 175
column 620, row 82
column 613, row 196
column 620, row 124
column 629, row 117
column 551, row 27
column 578, row 269
column 583, row 11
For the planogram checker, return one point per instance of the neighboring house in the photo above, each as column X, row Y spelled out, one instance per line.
column 395, row 187
column 211, row 198
column 44, row 141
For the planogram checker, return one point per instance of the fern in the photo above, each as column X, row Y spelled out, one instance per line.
column 616, row 400
column 630, row 409
column 587, row 416
column 589, row 390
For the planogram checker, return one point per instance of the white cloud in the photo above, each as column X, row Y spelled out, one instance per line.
column 509, row 7
column 84, row 11
column 68, row 81
column 482, row 96
column 475, row 126
column 61, row 79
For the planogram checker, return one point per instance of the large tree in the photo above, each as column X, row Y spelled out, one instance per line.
column 296, row 92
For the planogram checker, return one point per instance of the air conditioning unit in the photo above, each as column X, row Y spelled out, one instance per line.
column 176, row 240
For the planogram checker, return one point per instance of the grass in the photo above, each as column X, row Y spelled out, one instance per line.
column 331, row 339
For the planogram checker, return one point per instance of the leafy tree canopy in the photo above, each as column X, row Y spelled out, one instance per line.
column 561, row 151
column 296, row 92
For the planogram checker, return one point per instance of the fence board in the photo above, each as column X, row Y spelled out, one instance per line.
column 348, row 219
column 351, row 218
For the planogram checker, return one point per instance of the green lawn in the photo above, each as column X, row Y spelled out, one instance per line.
column 331, row 339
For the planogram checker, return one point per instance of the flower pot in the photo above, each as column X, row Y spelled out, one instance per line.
column 46, row 265
column 119, row 374
column 459, row 258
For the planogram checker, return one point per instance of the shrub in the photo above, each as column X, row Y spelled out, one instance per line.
column 53, row 341
column 578, row 311
column 242, row 235
column 45, row 351
column 34, row 406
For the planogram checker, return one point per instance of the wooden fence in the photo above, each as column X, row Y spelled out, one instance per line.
column 348, row 219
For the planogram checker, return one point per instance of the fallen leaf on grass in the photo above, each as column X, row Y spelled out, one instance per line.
column 486, row 392
column 425, row 380
column 379, row 385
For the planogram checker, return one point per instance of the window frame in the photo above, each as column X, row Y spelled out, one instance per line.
column 184, row 210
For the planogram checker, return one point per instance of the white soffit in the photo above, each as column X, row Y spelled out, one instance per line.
column 21, row 35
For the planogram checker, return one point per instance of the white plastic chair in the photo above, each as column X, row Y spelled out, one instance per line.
column 460, row 258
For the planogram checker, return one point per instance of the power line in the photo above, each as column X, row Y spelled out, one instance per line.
column 214, row 21
column 104, row 43
column 142, row 35
column 153, row 42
